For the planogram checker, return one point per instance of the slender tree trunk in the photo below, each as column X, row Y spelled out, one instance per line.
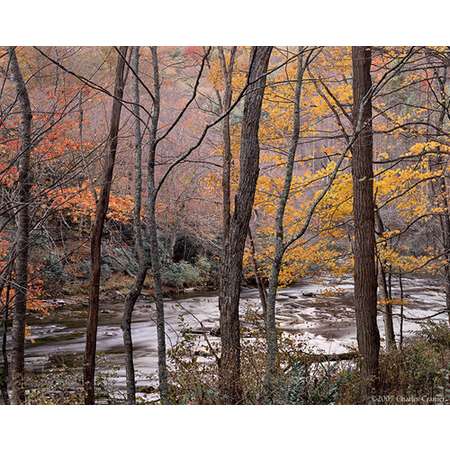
column 157, row 286
column 227, row 73
column 400, row 280
column 365, row 274
column 97, row 232
column 173, row 243
column 141, row 258
column 444, row 186
column 259, row 282
column 389, row 333
column 229, row 370
column 440, row 187
column 447, row 279
column 152, row 232
column 271, row 331
column 4, row 373
column 387, row 313
column 23, row 234
column 444, row 222
column 439, row 194
column 130, row 302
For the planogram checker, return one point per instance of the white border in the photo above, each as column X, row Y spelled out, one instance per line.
column 215, row 427
column 225, row 22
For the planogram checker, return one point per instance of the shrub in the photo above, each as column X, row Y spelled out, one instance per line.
column 53, row 274
column 185, row 274
column 419, row 374
column 194, row 370
column 180, row 274
column 63, row 385
column 437, row 334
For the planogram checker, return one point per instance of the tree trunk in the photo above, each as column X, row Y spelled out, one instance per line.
column 152, row 232
column 389, row 333
column 439, row 187
column 365, row 275
column 259, row 281
column 141, row 258
column 227, row 73
column 130, row 301
column 271, row 331
column 4, row 373
column 229, row 371
column 157, row 286
column 400, row 280
column 23, row 234
column 97, row 232
column 447, row 279
column 441, row 195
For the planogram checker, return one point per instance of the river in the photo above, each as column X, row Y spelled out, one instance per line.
column 319, row 311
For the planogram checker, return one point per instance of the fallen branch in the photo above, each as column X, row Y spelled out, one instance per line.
column 315, row 358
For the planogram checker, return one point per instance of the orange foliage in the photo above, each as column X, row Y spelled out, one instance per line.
column 35, row 285
column 78, row 202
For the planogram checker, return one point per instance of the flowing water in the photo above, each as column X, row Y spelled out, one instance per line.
column 320, row 312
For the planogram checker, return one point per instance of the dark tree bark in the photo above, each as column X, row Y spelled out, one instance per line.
column 4, row 369
column 365, row 274
column 23, row 233
column 229, row 370
column 141, row 258
column 97, row 231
